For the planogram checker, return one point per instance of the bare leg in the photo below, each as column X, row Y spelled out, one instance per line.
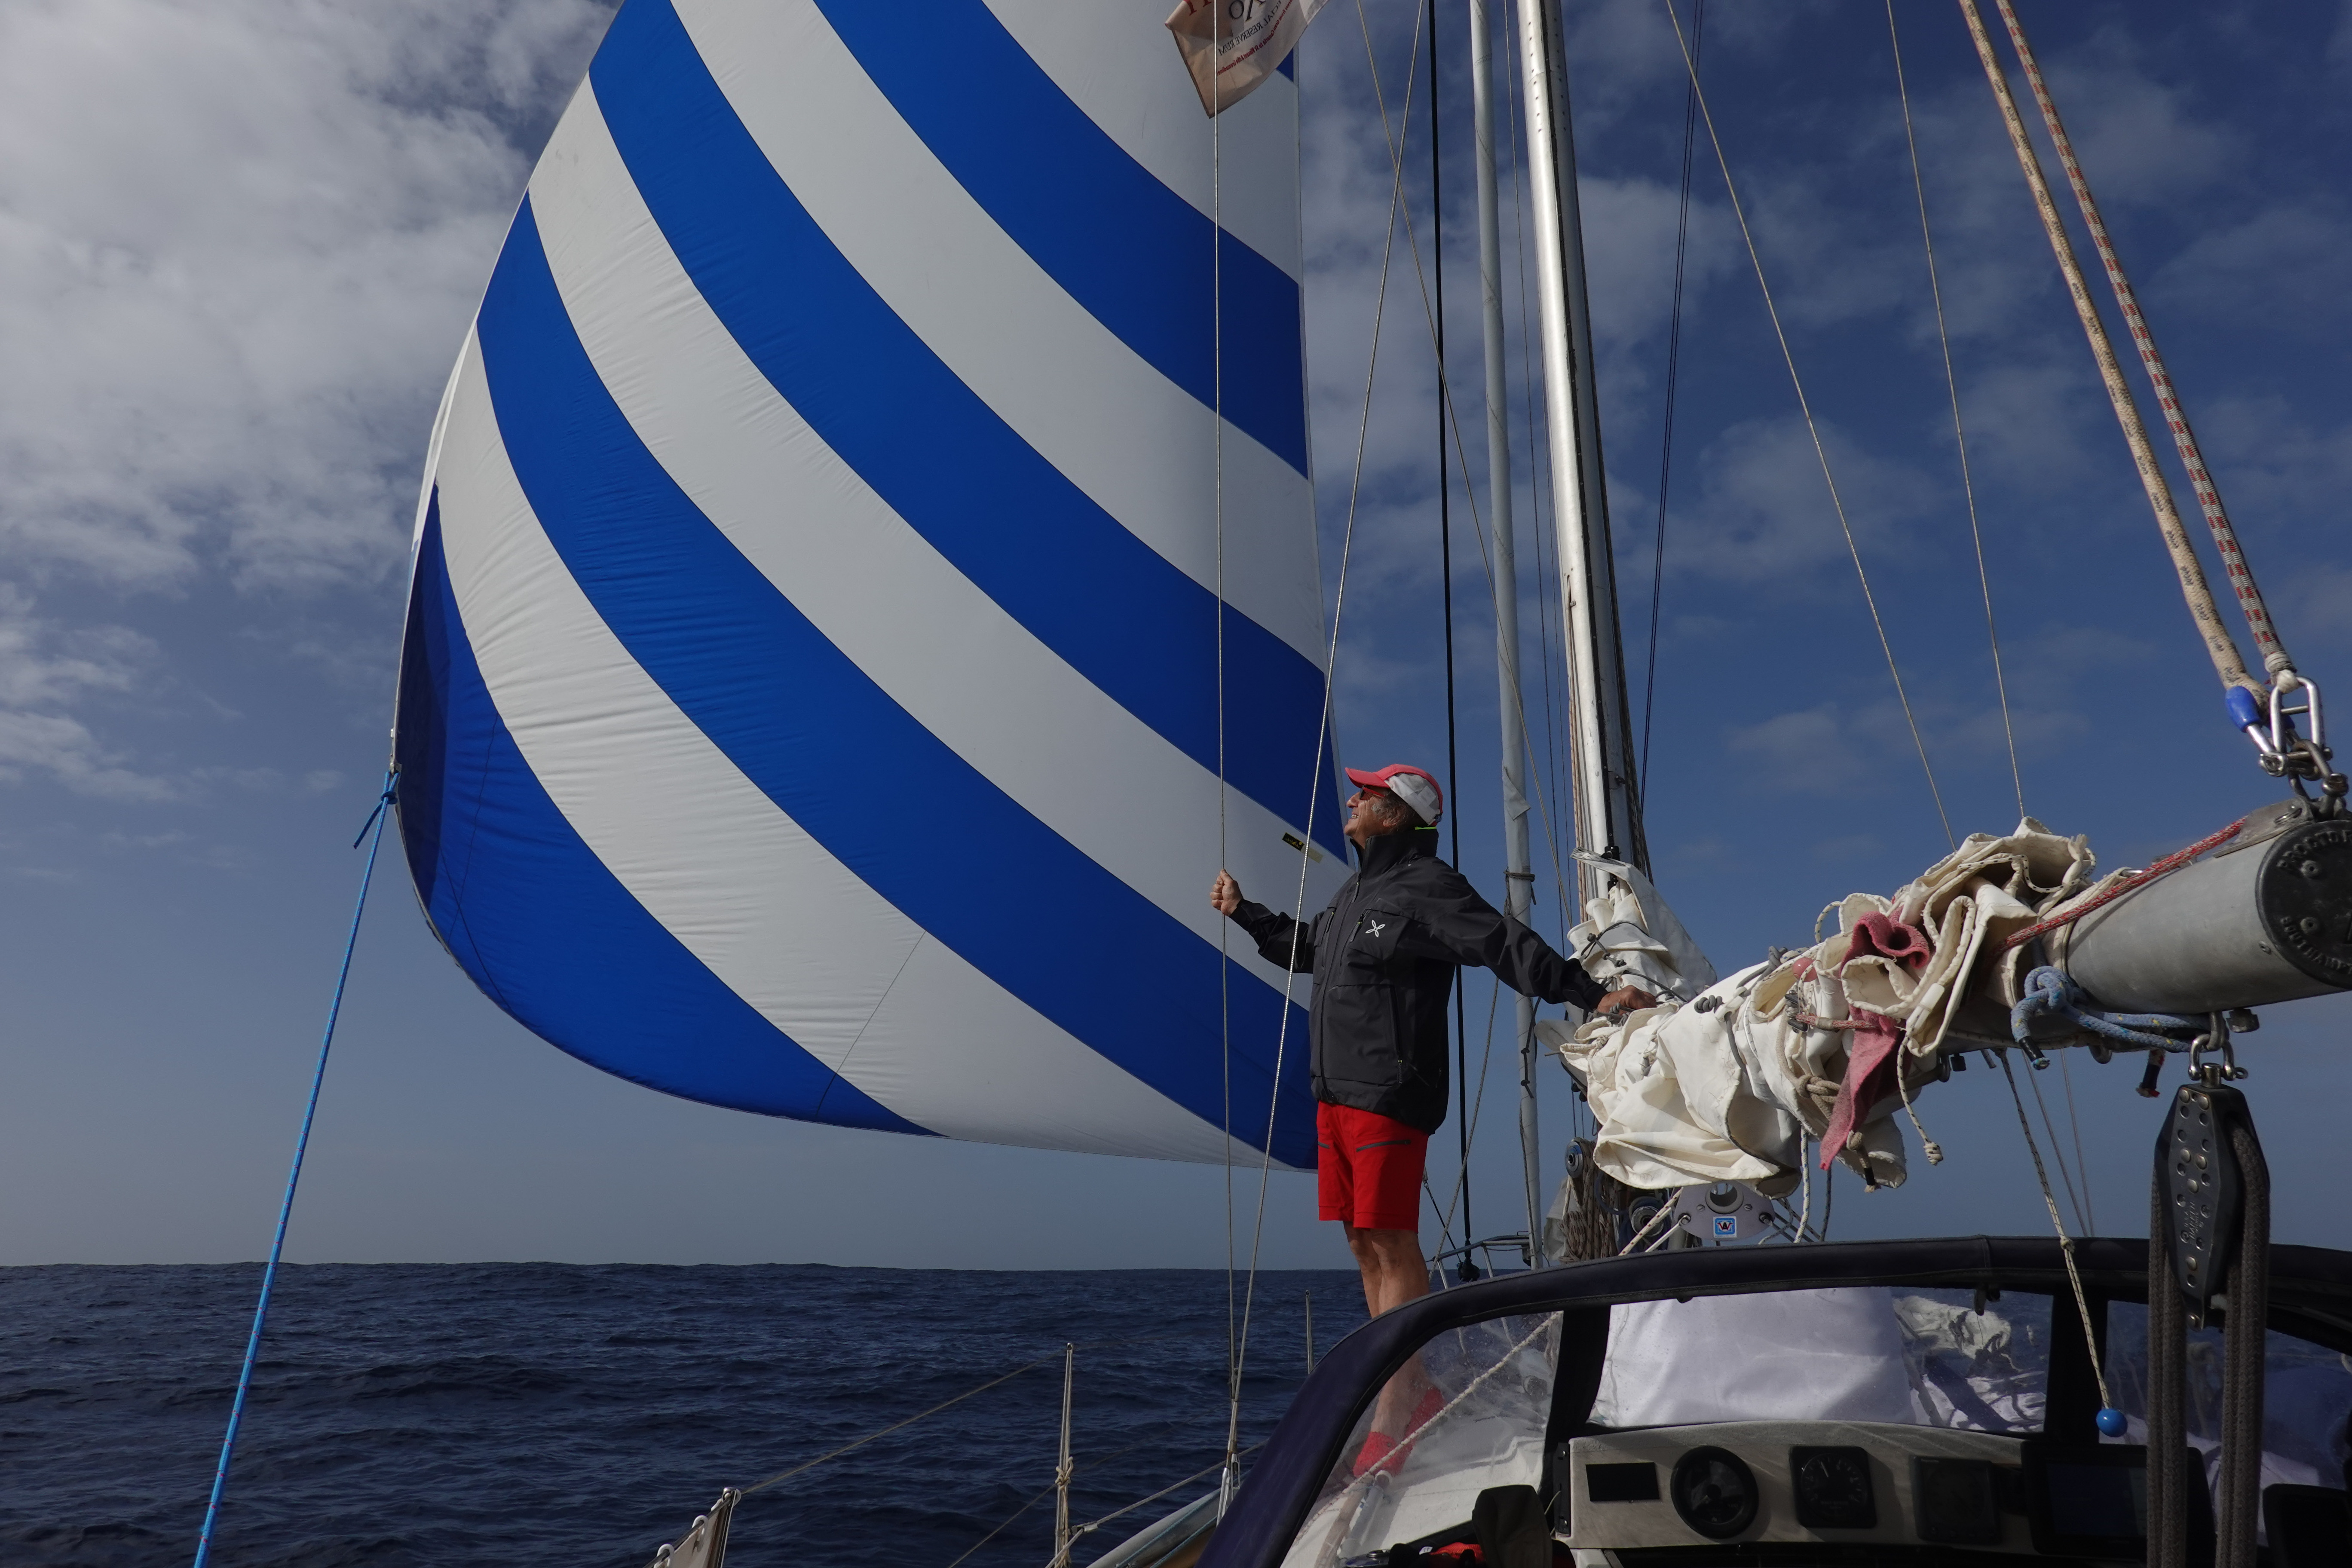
column 1395, row 1273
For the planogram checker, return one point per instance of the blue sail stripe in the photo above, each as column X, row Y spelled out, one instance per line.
column 879, row 791
column 1071, row 574
column 1134, row 252
column 543, row 927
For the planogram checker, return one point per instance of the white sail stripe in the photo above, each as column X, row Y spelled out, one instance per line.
column 1066, row 752
column 1138, row 445
column 750, row 894
column 1143, row 98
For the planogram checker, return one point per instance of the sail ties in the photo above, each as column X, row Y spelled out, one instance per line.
column 1830, row 1042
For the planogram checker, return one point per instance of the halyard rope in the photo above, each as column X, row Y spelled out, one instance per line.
column 375, row 825
column 2209, row 495
column 1805, row 407
column 2218, row 644
column 1952, row 386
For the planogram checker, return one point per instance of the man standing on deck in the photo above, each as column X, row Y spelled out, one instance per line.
column 1383, row 957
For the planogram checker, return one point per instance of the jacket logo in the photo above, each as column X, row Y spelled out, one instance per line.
column 1373, row 927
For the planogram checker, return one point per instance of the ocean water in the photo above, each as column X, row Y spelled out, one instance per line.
column 515, row 1415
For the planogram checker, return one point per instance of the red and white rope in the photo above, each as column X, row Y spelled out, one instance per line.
column 2209, row 495
column 2172, row 862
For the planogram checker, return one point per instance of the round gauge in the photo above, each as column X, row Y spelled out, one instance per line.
column 1714, row 1492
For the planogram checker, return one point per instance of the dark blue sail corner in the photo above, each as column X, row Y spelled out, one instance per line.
column 537, row 921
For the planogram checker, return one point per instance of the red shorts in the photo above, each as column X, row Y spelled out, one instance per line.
column 1368, row 1168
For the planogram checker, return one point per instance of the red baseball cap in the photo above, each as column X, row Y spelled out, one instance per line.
column 1410, row 784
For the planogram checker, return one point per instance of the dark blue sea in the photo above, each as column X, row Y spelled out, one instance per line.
column 517, row 1414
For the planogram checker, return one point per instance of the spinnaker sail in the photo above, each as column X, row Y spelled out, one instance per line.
column 866, row 582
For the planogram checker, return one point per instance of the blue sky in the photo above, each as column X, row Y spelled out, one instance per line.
column 238, row 247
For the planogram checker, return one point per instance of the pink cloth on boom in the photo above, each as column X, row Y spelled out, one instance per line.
column 1884, row 936
column 1870, row 1064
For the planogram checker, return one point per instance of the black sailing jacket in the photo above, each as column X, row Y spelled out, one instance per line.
column 1383, row 957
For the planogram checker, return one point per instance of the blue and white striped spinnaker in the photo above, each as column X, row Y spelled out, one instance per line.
column 810, row 697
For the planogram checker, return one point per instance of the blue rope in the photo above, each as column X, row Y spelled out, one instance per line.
column 2050, row 992
column 375, row 821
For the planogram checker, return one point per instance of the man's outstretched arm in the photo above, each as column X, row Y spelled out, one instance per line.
column 1459, row 926
column 1280, row 940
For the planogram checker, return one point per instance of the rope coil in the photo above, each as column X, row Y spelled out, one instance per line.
column 2048, row 992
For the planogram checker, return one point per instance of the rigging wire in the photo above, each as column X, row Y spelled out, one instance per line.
column 1474, row 1106
column 2058, row 1157
column 895, row 1425
column 1225, row 961
column 2081, row 1161
column 1206, row 1470
column 1445, row 575
column 1674, row 379
column 1454, row 428
column 1000, row 1530
column 1952, row 386
column 2066, row 1242
column 1323, row 729
column 1804, row 407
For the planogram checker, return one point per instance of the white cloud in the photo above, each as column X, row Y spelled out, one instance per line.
column 1763, row 511
column 45, row 666
column 64, row 749
column 2281, row 267
column 42, row 664
column 239, row 244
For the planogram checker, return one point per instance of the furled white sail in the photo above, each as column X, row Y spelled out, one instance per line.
column 812, row 697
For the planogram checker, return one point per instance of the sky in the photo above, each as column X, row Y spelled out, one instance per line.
column 240, row 245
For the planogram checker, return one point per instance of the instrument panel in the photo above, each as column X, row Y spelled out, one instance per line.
column 1858, row 1482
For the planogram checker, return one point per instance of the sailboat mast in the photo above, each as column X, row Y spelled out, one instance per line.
column 1607, row 809
column 1519, row 886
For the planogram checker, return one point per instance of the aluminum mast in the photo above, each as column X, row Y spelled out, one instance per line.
column 1519, row 886
column 1607, row 809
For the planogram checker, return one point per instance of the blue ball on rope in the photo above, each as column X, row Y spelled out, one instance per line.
column 2111, row 1422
